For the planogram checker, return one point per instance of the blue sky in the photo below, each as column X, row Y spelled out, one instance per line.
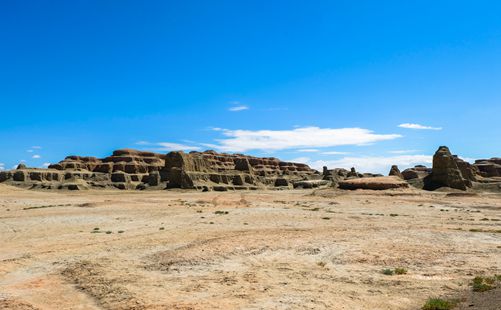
column 325, row 82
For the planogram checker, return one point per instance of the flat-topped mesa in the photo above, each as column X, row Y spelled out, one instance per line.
column 219, row 171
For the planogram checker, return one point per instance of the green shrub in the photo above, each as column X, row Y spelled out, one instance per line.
column 387, row 272
column 400, row 271
column 482, row 284
column 438, row 304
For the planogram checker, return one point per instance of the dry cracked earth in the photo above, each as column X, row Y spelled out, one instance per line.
column 304, row 249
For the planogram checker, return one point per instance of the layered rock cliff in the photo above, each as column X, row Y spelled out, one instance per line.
column 132, row 169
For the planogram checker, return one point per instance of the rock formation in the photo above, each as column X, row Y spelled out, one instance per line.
column 394, row 171
column 132, row 169
column 446, row 172
column 418, row 172
column 375, row 183
column 210, row 170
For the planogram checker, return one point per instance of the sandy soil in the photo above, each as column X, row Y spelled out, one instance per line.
column 305, row 249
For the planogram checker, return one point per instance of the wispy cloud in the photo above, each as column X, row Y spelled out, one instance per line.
column 36, row 147
column 308, row 150
column 36, row 156
column 375, row 164
column 168, row 146
column 418, row 126
column 334, row 153
column 45, row 165
column 303, row 137
column 402, row 151
column 2, row 166
column 237, row 107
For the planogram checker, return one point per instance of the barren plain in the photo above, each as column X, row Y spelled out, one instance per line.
column 296, row 249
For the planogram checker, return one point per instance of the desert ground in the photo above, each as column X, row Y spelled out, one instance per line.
column 296, row 249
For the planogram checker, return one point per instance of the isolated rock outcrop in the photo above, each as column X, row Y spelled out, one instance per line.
column 445, row 172
column 394, row 171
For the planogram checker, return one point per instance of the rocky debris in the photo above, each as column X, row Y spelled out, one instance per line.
column 394, row 171
column 375, row 183
column 446, row 172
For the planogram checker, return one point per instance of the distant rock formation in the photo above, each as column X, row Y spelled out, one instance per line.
column 132, row 169
column 394, row 171
column 488, row 168
column 418, row 172
column 375, row 183
column 446, row 171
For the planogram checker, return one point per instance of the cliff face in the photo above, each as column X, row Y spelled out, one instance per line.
column 131, row 169
column 211, row 170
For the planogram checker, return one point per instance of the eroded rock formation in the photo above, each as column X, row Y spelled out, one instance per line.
column 394, row 171
column 131, row 169
column 446, row 171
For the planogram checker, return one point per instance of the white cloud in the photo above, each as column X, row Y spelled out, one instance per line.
column 45, row 165
column 303, row 137
column 168, row 146
column 403, row 151
column 237, row 106
column 2, row 166
column 308, row 150
column 334, row 153
column 418, row 126
column 375, row 164
column 36, row 156
column 29, row 151
column 302, row 160
column 36, row 147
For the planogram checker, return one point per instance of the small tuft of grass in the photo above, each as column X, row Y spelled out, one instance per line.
column 121, row 231
column 438, row 304
column 483, row 284
column 221, row 212
column 211, row 222
column 393, row 214
column 326, row 218
column 321, row 264
column 161, row 228
column 400, row 271
column 97, row 228
column 387, row 271
column 108, row 232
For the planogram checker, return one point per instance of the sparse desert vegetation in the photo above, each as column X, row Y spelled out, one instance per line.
column 270, row 252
